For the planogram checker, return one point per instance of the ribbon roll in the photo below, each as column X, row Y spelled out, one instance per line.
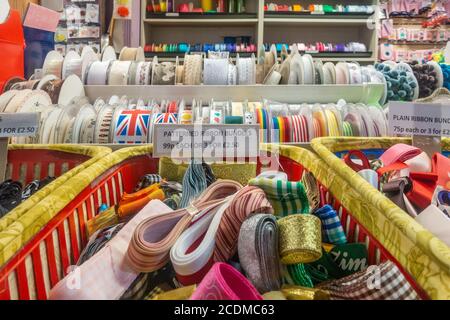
column 215, row 72
column 392, row 285
column 223, row 282
column 245, row 71
column 53, row 88
column 164, row 73
column 400, row 152
column 154, row 237
column 332, row 231
column 194, row 183
column 97, row 73
column 302, row 293
column 132, row 126
column 192, row 69
column 258, row 252
column 286, row 197
column 333, row 126
column 300, row 131
column 143, row 73
column 300, row 239
column 220, row 227
column 118, row 75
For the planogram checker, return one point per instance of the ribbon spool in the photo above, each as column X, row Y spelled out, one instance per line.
column 163, row 73
column 258, row 251
column 246, row 70
column 84, row 125
column 215, row 72
column 143, row 73
column 319, row 122
column 300, row 131
column 53, row 64
column 131, row 126
column 53, row 88
column 104, row 120
column 118, row 74
column 72, row 65
column 97, row 73
column 132, row 54
column 192, row 69
column 300, row 239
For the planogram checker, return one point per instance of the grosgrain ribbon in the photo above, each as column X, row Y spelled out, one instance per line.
column 399, row 152
column 365, row 164
column 154, row 237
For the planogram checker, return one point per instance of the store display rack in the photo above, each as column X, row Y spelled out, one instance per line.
column 368, row 93
column 268, row 27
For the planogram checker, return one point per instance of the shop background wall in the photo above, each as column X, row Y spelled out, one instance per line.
column 21, row 5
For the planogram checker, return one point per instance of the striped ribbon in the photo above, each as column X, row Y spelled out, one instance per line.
column 300, row 132
column 333, row 126
column 213, row 237
column 154, row 237
column 262, row 118
column 347, row 129
column 317, row 128
column 194, row 183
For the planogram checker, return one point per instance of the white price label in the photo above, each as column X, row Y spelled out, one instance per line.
column 419, row 119
column 18, row 124
column 206, row 141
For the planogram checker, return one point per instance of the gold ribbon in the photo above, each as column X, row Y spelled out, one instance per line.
column 300, row 239
column 302, row 293
column 183, row 293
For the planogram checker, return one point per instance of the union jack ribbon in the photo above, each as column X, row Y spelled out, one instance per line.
column 132, row 126
column 166, row 118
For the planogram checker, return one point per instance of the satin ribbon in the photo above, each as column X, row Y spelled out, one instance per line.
column 154, row 237
column 258, row 252
column 358, row 155
column 434, row 220
column 333, row 127
column 106, row 275
column 302, row 293
column 424, row 184
column 347, row 129
column 300, row 239
column 97, row 73
column 118, row 74
column 223, row 282
column 300, row 131
column 262, row 118
column 399, row 152
column 396, row 189
column 245, row 71
column 213, row 237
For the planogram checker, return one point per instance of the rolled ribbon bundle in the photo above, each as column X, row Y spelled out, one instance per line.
column 212, row 237
column 258, row 251
column 223, row 282
column 286, row 197
column 300, row 239
column 400, row 152
column 392, row 285
column 194, row 183
column 150, row 245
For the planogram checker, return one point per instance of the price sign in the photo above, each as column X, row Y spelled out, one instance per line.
column 206, row 141
column 419, row 119
column 18, row 124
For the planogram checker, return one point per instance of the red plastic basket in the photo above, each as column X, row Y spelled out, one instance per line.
column 46, row 259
